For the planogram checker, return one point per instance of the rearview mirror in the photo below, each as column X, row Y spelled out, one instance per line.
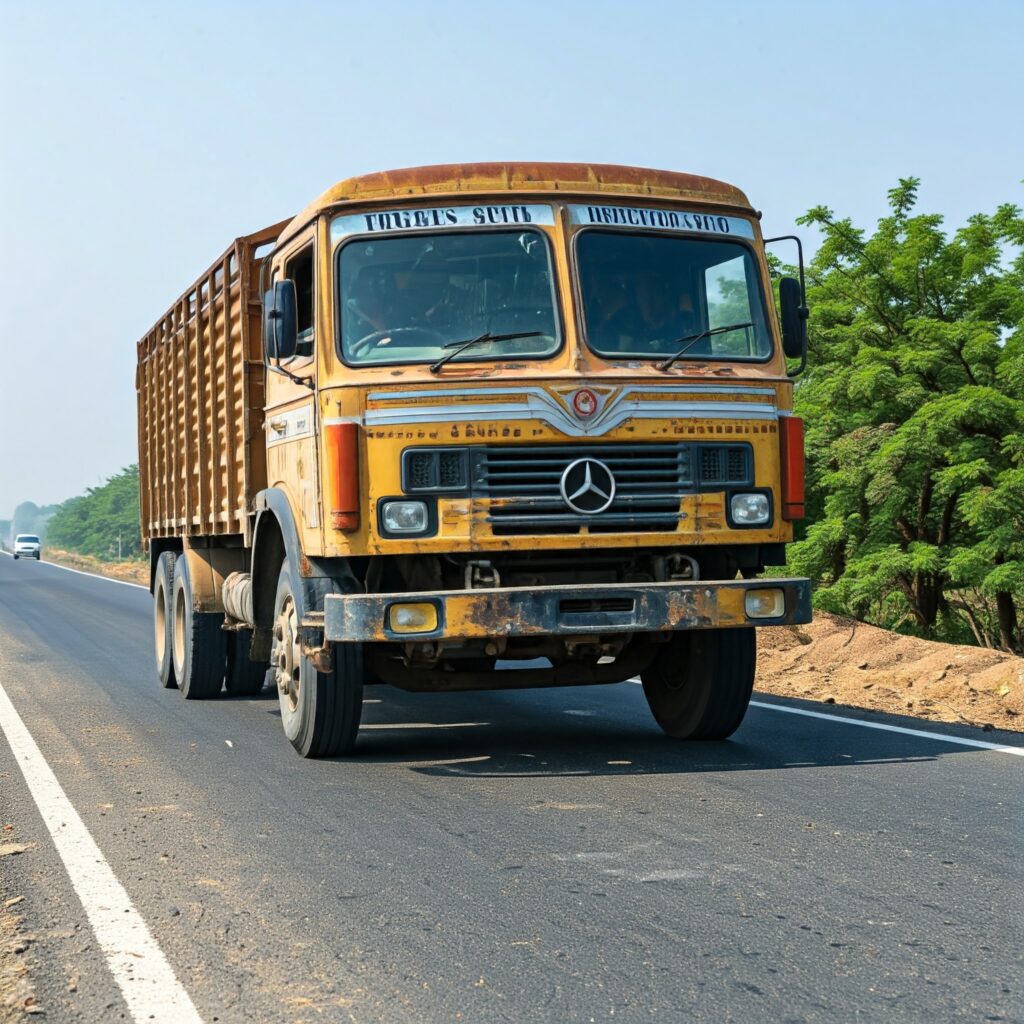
column 279, row 322
column 794, row 318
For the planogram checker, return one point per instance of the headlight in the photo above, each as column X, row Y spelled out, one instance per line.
column 749, row 509
column 404, row 517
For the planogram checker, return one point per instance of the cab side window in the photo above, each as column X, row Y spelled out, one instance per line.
column 299, row 269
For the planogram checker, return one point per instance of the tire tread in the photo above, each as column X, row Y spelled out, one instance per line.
column 164, row 577
column 718, row 669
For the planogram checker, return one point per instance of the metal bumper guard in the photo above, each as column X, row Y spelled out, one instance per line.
column 565, row 611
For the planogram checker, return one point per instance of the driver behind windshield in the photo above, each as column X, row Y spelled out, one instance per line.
column 367, row 304
column 414, row 299
column 640, row 310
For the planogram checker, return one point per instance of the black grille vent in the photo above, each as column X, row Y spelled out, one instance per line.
column 522, row 482
column 435, row 470
column 724, row 465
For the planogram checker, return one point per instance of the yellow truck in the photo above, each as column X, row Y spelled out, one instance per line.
column 449, row 416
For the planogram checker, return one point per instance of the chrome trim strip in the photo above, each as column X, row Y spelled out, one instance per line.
column 537, row 403
column 676, row 389
column 625, row 411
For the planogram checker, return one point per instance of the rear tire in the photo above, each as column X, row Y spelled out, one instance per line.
column 699, row 686
column 199, row 644
column 320, row 712
column 163, row 619
column 244, row 678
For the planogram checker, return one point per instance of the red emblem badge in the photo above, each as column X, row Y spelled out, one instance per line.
column 584, row 403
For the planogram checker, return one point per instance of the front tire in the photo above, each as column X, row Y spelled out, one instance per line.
column 16, row 557
column 163, row 619
column 699, row 686
column 198, row 642
column 320, row 711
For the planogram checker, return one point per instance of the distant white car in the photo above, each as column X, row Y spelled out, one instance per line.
column 27, row 544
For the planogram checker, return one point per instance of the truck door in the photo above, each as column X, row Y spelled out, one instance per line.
column 291, row 405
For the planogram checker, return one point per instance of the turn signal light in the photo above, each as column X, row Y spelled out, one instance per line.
column 341, row 448
column 791, row 438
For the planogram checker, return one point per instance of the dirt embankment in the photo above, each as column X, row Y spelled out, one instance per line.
column 843, row 661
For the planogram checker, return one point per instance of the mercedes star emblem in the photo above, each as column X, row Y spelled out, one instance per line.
column 587, row 486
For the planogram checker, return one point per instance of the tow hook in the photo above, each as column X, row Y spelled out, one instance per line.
column 481, row 575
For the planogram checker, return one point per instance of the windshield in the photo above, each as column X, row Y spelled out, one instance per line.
column 403, row 299
column 26, row 538
column 644, row 294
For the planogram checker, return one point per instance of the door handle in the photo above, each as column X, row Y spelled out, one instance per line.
column 279, row 426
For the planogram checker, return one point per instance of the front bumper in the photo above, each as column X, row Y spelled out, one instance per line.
column 565, row 610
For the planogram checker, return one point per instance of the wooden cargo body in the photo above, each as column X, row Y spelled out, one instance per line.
column 200, row 383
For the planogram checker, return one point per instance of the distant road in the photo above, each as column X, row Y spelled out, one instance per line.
column 537, row 856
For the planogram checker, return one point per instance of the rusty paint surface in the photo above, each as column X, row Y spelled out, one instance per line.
column 203, row 457
column 542, row 611
column 559, row 179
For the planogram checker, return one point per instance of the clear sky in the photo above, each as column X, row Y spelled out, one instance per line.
column 137, row 139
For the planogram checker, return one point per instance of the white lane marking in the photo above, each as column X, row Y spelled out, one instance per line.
column 91, row 575
column 138, row 964
column 940, row 737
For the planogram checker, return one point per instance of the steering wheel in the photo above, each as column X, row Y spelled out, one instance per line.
column 375, row 337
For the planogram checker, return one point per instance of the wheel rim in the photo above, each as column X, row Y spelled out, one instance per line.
column 160, row 625
column 286, row 657
column 179, row 631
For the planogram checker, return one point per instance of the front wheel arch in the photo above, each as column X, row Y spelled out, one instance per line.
column 275, row 543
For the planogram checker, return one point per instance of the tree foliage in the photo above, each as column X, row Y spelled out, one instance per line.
column 93, row 522
column 31, row 518
column 914, row 409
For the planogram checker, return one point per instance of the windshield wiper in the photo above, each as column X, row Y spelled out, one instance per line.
column 458, row 347
column 691, row 339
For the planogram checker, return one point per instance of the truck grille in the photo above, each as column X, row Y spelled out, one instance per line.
column 650, row 478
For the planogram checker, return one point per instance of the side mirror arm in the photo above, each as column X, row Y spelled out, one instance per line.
column 278, row 368
column 279, row 325
column 803, row 311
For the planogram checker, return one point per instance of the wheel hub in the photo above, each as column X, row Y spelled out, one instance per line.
column 285, row 655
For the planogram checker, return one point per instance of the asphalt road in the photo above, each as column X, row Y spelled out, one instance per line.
column 529, row 856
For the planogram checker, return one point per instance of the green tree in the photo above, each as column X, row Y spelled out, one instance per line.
column 914, row 407
column 102, row 521
column 32, row 518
